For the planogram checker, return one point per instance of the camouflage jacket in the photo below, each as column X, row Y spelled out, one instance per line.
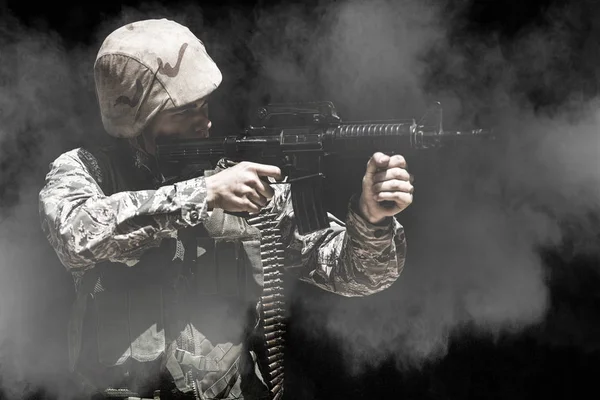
column 86, row 227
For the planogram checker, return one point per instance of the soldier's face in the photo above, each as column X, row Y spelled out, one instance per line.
column 187, row 121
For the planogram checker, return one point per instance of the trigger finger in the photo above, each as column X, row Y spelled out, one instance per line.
column 263, row 188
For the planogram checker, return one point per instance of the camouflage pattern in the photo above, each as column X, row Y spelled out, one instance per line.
column 148, row 66
column 120, row 230
column 85, row 227
column 352, row 259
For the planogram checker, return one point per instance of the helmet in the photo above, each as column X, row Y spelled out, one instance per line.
column 147, row 66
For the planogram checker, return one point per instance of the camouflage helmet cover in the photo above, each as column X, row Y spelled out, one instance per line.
column 147, row 66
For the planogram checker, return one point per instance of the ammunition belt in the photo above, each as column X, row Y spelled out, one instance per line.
column 272, row 307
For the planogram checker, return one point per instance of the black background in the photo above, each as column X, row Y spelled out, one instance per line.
column 555, row 357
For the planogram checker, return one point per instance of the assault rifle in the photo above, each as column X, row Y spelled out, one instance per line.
column 296, row 138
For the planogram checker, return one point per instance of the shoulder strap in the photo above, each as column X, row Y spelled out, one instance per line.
column 98, row 163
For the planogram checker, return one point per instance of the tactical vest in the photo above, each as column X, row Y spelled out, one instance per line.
column 190, row 307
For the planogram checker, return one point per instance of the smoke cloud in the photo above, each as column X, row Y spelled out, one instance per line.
column 46, row 106
column 480, row 216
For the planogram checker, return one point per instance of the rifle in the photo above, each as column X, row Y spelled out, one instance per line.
column 297, row 138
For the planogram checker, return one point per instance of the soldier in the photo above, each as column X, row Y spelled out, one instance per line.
column 168, row 281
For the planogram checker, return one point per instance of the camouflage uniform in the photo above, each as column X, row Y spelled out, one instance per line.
column 163, row 286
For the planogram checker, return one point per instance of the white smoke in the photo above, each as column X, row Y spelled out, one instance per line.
column 473, row 237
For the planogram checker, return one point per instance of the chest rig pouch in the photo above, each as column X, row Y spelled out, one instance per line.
column 139, row 318
column 223, row 255
column 226, row 257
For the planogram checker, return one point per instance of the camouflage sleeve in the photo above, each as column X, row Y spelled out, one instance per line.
column 85, row 227
column 355, row 258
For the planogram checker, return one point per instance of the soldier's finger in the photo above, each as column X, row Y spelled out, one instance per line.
column 377, row 162
column 400, row 198
column 250, row 207
column 391, row 173
column 257, row 199
column 266, row 170
column 394, row 185
column 263, row 188
column 397, row 161
column 381, row 160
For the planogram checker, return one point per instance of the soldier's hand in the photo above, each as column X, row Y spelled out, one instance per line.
column 240, row 188
column 386, row 187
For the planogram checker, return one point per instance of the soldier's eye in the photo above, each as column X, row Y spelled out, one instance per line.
column 180, row 116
